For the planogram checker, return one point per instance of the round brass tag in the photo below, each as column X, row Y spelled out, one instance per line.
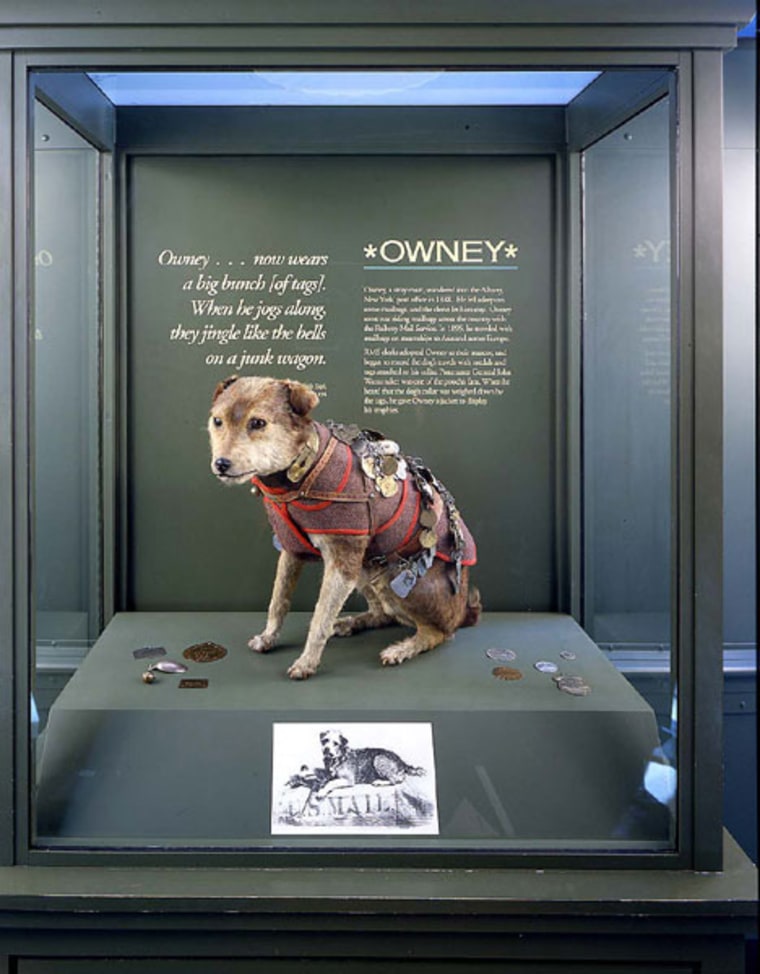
column 506, row 673
column 205, row 652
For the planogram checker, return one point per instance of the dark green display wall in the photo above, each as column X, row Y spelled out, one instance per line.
column 416, row 295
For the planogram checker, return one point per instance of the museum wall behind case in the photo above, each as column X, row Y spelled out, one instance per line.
column 413, row 294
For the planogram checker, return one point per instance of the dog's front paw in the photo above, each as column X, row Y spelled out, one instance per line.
column 261, row 643
column 301, row 670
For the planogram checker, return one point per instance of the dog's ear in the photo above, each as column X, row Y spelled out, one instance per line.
column 302, row 399
column 224, row 384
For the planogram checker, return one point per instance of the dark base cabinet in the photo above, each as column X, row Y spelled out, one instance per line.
column 456, row 954
column 63, row 920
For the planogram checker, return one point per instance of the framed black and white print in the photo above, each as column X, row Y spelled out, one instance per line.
column 353, row 779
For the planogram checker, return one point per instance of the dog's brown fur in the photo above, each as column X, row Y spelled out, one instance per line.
column 257, row 427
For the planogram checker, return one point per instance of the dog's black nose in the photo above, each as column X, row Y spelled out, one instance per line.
column 222, row 465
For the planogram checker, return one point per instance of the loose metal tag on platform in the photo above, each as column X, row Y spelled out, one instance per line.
column 205, row 652
column 574, row 685
column 502, row 655
column 506, row 673
column 546, row 666
column 149, row 652
column 168, row 666
column 192, row 684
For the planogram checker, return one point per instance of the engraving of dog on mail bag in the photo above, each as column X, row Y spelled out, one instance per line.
column 355, row 789
column 380, row 521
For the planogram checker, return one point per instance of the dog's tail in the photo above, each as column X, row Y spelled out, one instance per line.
column 473, row 608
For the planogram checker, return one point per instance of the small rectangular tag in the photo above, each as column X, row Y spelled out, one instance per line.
column 192, row 684
column 149, row 652
column 404, row 582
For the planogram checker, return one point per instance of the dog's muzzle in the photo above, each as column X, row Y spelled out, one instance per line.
column 224, row 470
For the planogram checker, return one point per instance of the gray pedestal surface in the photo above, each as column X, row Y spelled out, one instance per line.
column 519, row 764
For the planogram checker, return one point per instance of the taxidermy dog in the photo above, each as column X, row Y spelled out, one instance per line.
column 380, row 521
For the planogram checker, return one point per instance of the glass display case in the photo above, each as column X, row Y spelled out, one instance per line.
column 504, row 266
column 415, row 291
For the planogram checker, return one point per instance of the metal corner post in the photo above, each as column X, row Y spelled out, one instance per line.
column 7, row 735
column 23, row 447
column 707, row 467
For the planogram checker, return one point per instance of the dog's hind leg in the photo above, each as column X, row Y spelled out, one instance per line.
column 288, row 572
column 433, row 608
column 343, row 564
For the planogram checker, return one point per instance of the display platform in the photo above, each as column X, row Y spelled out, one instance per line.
column 518, row 763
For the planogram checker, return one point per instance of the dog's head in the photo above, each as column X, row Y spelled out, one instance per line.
column 334, row 746
column 257, row 426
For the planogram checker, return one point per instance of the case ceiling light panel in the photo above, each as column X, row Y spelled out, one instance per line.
column 282, row 88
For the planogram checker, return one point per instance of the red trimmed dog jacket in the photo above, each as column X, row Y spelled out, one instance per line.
column 337, row 497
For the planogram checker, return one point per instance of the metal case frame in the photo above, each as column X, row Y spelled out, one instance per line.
column 53, row 40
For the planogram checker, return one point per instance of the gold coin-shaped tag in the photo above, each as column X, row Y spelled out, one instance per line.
column 428, row 518
column 388, row 486
column 389, row 466
column 205, row 652
column 506, row 673
column 428, row 538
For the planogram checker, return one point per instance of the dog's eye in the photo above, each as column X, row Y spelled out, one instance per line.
column 217, row 422
column 256, row 424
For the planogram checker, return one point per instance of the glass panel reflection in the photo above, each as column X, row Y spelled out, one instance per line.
column 628, row 475
column 66, row 412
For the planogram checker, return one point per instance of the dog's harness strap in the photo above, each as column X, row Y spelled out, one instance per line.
column 308, row 493
column 318, row 467
column 306, row 490
column 337, row 498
